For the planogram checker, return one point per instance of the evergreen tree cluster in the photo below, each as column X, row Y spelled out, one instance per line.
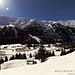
column 43, row 54
column 2, row 60
column 12, row 58
column 18, row 56
column 63, row 52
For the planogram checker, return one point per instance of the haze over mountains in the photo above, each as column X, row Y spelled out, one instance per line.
column 22, row 30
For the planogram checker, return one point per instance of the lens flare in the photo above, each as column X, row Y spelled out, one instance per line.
column 7, row 8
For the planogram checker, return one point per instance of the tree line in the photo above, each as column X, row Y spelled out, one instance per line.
column 42, row 55
column 64, row 52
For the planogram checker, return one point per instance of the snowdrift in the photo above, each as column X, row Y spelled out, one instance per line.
column 60, row 65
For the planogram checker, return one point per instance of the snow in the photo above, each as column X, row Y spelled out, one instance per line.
column 13, row 64
column 67, row 22
column 62, row 65
column 21, row 22
column 11, row 49
column 17, row 63
column 36, row 38
column 11, row 46
column 10, row 25
column 16, row 33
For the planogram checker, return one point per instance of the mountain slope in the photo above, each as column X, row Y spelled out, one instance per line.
column 62, row 65
column 46, row 33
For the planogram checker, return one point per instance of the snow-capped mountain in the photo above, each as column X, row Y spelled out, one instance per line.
column 22, row 21
column 22, row 30
column 70, row 23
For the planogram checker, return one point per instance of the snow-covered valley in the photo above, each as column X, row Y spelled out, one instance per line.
column 12, row 49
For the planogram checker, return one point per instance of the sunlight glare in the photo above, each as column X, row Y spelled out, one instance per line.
column 0, row 1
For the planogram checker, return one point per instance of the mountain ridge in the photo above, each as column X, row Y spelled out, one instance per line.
column 22, row 30
column 9, row 20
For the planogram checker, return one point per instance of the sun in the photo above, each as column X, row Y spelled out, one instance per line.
column 0, row 1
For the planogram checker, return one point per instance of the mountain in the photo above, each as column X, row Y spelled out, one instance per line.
column 70, row 23
column 22, row 21
column 22, row 30
column 12, row 35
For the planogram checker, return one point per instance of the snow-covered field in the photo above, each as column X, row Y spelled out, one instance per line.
column 62, row 65
column 11, row 50
column 15, row 63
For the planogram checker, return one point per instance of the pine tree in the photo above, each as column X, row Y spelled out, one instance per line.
column 30, row 55
column 47, row 54
column 42, row 54
column 36, row 56
column 48, row 45
column 50, row 53
column 0, row 64
column 12, row 58
column 20, row 56
column 24, row 56
column 2, row 60
column 53, row 54
column 34, row 46
column 63, row 52
column 6, row 59
column 16, row 56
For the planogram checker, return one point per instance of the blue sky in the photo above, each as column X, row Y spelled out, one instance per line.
column 39, row 9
